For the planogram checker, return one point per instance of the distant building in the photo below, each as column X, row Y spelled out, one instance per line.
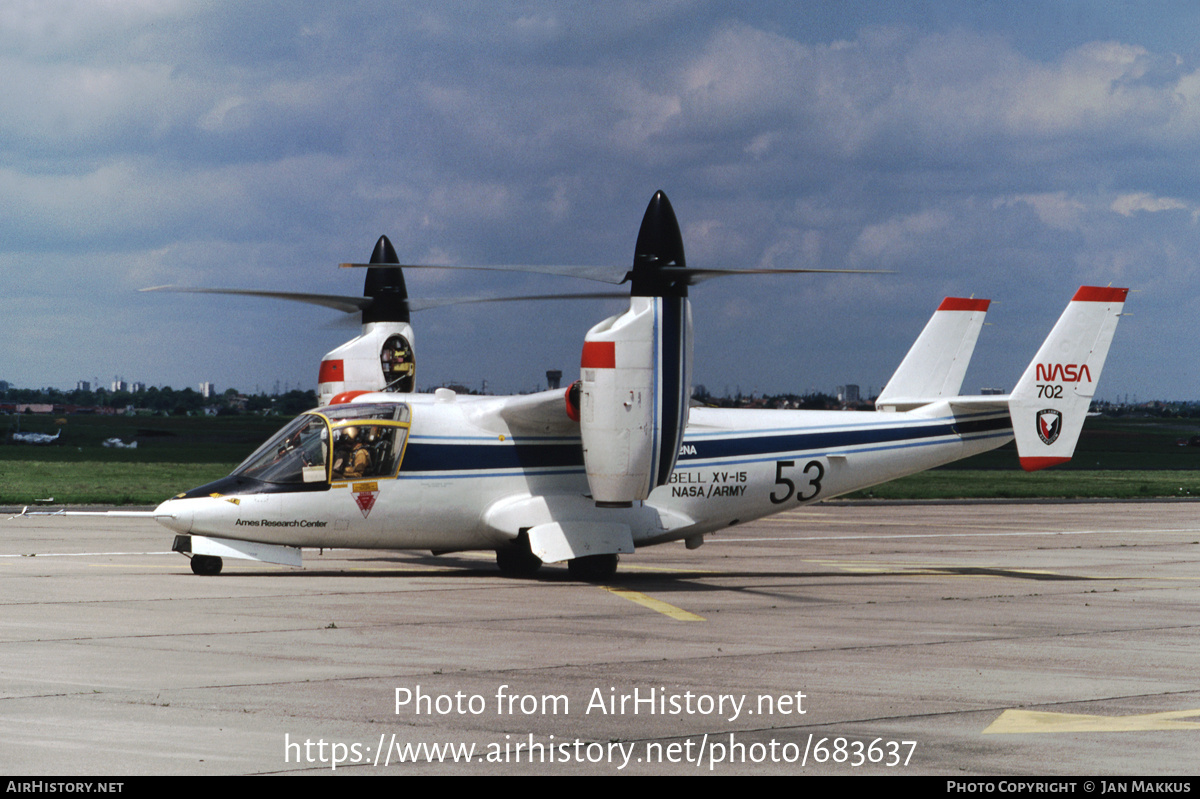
column 119, row 385
column 135, row 387
column 553, row 378
column 83, row 385
column 208, row 390
column 848, row 393
column 992, row 391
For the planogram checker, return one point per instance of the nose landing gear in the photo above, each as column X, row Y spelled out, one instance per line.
column 206, row 564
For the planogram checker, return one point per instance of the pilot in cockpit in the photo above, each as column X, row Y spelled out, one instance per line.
column 352, row 458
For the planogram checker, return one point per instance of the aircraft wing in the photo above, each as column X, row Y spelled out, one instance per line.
column 540, row 414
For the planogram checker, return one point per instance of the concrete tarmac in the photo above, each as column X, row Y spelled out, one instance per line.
column 954, row 639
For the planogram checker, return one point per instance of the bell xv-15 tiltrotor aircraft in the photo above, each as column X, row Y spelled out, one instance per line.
column 621, row 460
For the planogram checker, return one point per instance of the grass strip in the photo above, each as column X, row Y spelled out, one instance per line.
column 101, row 483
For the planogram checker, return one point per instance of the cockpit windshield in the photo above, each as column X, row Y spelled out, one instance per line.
column 339, row 442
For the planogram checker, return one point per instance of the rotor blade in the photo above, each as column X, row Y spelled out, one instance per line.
column 415, row 305
column 438, row 302
column 604, row 274
column 334, row 301
column 355, row 304
column 695, row 275
column 618, row 274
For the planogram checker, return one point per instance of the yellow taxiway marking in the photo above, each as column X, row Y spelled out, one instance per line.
column 679, row 614
column 1012, row 722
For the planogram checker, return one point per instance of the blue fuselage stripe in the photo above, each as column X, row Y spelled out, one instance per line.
column 425, row 456
column 745, row 445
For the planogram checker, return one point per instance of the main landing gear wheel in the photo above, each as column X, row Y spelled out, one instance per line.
column 518, row 560
column 206, row 564
column 593, row 567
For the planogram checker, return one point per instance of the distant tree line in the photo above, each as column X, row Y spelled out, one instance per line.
column 166, row 400
column 811, row 401
column 1156, row 409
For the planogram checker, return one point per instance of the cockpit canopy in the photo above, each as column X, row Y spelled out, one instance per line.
column 332, row 444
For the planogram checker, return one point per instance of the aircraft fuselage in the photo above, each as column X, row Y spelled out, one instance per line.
column 468, row 478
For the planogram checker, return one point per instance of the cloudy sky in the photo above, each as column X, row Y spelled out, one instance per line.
column 1012, row 151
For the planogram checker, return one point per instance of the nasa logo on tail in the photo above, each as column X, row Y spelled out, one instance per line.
column 1049, row 425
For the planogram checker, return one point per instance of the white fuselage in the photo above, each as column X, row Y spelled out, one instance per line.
column 474, row 475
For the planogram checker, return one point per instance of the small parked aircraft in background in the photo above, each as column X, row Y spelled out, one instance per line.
column 36, row 438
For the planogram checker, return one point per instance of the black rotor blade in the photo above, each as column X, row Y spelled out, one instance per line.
column 603, row 274
column 440, row 302
column 697, row 275
column 356, row 304
column 334, row 301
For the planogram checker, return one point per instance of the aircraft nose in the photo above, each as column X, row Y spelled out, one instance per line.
column 175, row 514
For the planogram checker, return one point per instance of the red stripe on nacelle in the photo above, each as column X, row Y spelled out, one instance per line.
column 331, row 372
column 1099, row 294
column 963, row 304
column 599, row 355
column 346, row 396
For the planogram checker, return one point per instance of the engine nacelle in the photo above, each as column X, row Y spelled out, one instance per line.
column 636, row 386
column 380, row 357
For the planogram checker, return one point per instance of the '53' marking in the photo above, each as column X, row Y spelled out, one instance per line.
column 813, row 471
